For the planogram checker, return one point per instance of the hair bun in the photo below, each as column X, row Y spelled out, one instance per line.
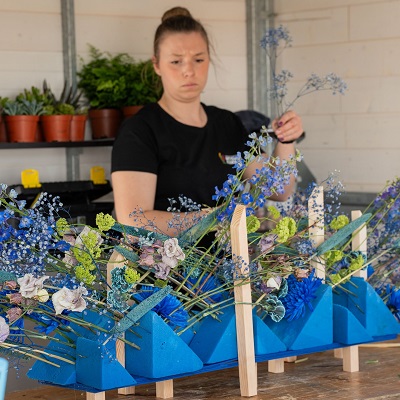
column 176, row 12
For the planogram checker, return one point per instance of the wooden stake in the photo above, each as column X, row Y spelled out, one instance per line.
column 350, row 359
column 359, row 241
column 243, row 306
column 316, row 226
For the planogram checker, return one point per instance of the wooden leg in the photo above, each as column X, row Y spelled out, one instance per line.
column 350, row 359
column 165, row 389
column 290, row 359
column 276, row 366
column 338, row 353
column 96, row 396
column 127, row 390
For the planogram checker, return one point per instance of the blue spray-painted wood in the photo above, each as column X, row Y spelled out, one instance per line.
column 215, row 340
column 97, row 366
column 347, row 329
column 365, row 304
column 162, row 352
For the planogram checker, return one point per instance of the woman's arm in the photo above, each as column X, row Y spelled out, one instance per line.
column 135, row 192
column 287, row 128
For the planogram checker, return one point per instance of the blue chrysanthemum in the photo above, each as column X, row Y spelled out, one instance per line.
column 300, row 294
column 169, row 308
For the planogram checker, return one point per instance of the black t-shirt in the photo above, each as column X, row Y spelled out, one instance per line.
column 187, row 160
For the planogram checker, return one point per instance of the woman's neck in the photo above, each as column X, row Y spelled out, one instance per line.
column 191, row 113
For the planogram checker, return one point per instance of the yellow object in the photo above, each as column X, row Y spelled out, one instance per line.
column 30, row 178
column 97, row 175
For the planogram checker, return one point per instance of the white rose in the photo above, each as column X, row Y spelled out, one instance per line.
column 67, row 299
column 4, row 330
column 29, row 285
column 173, row 250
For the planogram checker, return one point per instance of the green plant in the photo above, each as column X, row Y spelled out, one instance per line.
column 103, row 78
column 143, row 85
column 23, row 107
column 67, row 103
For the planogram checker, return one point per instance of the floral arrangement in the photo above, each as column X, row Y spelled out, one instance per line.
column 53, row 274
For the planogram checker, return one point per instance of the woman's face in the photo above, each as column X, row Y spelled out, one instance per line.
column 183, row 63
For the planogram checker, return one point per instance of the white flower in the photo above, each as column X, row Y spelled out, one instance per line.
column 274, row 282
column 171, row 252
column 29, row 285
column 42, row 295
column 67, row 299
column 4, row 330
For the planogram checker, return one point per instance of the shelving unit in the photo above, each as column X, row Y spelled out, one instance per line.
column 72, row 151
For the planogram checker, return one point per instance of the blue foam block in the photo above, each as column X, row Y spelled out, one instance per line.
column 64, row 374
column 162, row 352
column 314, row 329
column 366, row 305
column 97, row 366
column 346, row 327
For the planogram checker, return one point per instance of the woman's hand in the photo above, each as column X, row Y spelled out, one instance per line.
column 288, row 127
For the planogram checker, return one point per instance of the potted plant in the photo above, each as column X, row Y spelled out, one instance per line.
column 103, row 82
column 22, row 117
column 143, row 86
column 61, row 120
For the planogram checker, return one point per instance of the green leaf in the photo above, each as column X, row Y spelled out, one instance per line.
column 341, row 234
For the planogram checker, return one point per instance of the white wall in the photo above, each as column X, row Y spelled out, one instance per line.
column 359, row 40
column 31, row 50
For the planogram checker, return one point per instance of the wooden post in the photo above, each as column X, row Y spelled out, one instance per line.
column 165, row 389
column 316, row 226
column 115, row 259
column 96, row 396
column 359, row 241
column 350, row 359
column 243, row 306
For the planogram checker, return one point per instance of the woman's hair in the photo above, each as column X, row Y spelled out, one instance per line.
column 178, row 20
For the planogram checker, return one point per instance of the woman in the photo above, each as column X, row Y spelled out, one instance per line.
column 180, row 146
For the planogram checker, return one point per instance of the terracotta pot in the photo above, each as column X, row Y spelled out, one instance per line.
column 78, row 125
column 105, row 122
column 3, row 131
column 56, row 128
column 21, row 128
column 128, row 111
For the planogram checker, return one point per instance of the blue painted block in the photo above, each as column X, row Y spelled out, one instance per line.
column 162, row 352
column 216, row 340
column 346, row 327
column 366, row 305
column 97, row 366
column 265, row 340
column 64, row 374
column 314, row 329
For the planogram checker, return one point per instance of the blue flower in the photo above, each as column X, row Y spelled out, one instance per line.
column 211, row 283
column 300, row 294
column 169, row 308
column 393, row 301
